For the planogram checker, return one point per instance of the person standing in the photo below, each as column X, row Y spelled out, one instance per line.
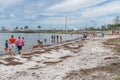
column 52, row 38
column 12, row 41
column 61, row 38
column 45, row 41
column 6, row 46
column 19, row 43
column 57, row 38
column 102, row 33
column 23, row 41
column 84, row 34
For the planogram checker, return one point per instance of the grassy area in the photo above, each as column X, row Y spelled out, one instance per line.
column 118, row 76
column 116, row 48
column 116, row 43
column 110, row 71
column 112, row 68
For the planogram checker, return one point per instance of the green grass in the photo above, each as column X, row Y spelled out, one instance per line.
column 118, row 76
column 115, row 41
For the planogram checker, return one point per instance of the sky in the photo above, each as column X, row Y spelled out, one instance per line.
column 51, row 14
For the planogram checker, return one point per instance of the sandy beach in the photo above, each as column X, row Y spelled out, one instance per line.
column 73, row 60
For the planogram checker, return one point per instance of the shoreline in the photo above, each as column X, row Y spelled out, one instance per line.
column 46, row 46
column 30, row 50
column 67, row 59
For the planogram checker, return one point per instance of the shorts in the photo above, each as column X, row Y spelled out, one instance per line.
column 19, row 48
column 12, row 47
column 6, row 49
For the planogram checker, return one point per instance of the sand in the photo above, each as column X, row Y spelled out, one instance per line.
column 59, row 62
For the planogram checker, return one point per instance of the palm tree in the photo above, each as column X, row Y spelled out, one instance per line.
column 21, row 28
column 16, row 28
column 39, row 27
column 39, row 30
column 26, row 27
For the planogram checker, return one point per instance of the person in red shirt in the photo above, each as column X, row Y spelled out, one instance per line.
column 12, row 42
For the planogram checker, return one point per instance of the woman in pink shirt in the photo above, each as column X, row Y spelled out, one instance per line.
column 19, row 43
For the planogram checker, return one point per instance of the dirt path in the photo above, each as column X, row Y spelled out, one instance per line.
column 69, row 61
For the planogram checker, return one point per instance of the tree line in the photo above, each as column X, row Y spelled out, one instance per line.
column 105, row 27
column 20, row 28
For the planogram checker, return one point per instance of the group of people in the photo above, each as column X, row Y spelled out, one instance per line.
column 92, row 34
column 85, row 34
column 55, row 38
column 13, row 45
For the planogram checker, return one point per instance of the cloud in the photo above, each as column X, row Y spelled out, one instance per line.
column 86, row 10
column 12, row 15
column 79, row 12
column 106, row 9
column 7, row 3
column 34, row 7
column 71, row 5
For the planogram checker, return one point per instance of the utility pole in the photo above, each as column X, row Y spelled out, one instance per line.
column 50, row 28
column 66, row 24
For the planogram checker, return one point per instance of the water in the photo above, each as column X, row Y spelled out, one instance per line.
column 31, row 38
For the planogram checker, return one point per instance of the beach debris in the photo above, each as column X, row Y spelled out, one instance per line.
column 72, row 75
column 37, row 67
column 53, row 61
column 1, row 62
column 13, row 63
column 38, row 52
column 65, row 57
column 113, row 57
column 10, row 61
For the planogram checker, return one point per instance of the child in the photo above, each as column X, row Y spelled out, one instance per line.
column 6, row 46
column 39, row 45
column 45, row 40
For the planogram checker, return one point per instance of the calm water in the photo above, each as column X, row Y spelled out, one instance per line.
column 31, row 38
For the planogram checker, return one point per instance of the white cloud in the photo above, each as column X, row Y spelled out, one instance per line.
column 54, row 20
column 30, row 17
column 88, row 12
column 106, row 9
column 70, row 5
column 79, row 12
column 12, row 15
column 35, row 8
column 6, row 3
